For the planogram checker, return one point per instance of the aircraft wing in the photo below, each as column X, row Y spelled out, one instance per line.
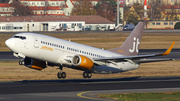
column 138, row 58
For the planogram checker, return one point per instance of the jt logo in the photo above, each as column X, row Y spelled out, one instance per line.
column 135, row 45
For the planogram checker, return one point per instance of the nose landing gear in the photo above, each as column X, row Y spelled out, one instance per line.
column 21, row 62
column 86, row 74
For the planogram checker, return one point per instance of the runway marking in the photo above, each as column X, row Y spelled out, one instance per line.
column 80, row 95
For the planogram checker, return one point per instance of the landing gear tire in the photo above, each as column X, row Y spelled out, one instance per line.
column 87, row 75
column 21, row 62
column 61, row 75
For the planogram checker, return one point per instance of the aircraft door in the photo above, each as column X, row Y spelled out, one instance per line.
column 24, row 44
column 36, row 42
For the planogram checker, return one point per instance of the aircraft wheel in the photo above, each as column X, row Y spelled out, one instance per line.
column 87, row 75
column 59, row 75
column 63, row 75
column 21, row 62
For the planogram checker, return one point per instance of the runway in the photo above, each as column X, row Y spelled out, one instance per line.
column 175, row 54
column 84, row 89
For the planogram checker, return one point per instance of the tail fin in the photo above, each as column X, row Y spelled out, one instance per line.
column 131, row 45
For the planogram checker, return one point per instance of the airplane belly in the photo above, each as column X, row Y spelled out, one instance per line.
column 127, row 66
column 111, row 68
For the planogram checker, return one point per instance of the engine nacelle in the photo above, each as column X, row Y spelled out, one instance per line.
column 82, row 61
column 34, row 64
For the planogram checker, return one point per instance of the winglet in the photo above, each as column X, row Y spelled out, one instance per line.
column 168, row 50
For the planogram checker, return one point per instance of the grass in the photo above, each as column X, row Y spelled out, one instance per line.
column 166, row 96
column 12, row 71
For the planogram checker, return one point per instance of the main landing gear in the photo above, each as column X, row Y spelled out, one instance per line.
column 61, row 74
column 87, row 75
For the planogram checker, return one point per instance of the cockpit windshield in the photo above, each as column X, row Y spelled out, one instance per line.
column 20, row 37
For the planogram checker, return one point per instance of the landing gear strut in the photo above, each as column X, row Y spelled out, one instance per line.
column 87, row 75
column 61, row 74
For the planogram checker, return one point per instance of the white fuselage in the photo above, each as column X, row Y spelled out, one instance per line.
column 58, row 51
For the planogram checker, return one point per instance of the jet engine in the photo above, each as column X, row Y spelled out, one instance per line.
column 34, row 63
column 82, row 62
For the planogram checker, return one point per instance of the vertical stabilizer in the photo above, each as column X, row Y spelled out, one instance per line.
column 131, row 45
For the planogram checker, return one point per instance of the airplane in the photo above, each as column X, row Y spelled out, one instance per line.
column 38, row 51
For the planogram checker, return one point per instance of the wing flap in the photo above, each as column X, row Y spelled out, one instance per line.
column 135, row 57
column 151, row 60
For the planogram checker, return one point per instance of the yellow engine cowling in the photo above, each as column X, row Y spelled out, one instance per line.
column 82, row 62
column 34, row 64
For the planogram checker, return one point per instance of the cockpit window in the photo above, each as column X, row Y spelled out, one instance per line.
column 20, row 37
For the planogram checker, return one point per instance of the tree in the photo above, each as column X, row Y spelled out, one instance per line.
column 83, row 7
column 139, row 10
column 173, row 14
column 21, row 9
column 131, row 16
column 111, row 2
column 177, row 25
column 134, row 14
column 105, row 9
column 155, row 12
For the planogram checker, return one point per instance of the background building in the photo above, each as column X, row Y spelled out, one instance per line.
column 161, row 24
column 53, row 23
column 5, row 9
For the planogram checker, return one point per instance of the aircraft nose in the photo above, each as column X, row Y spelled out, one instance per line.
column 10, row 43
